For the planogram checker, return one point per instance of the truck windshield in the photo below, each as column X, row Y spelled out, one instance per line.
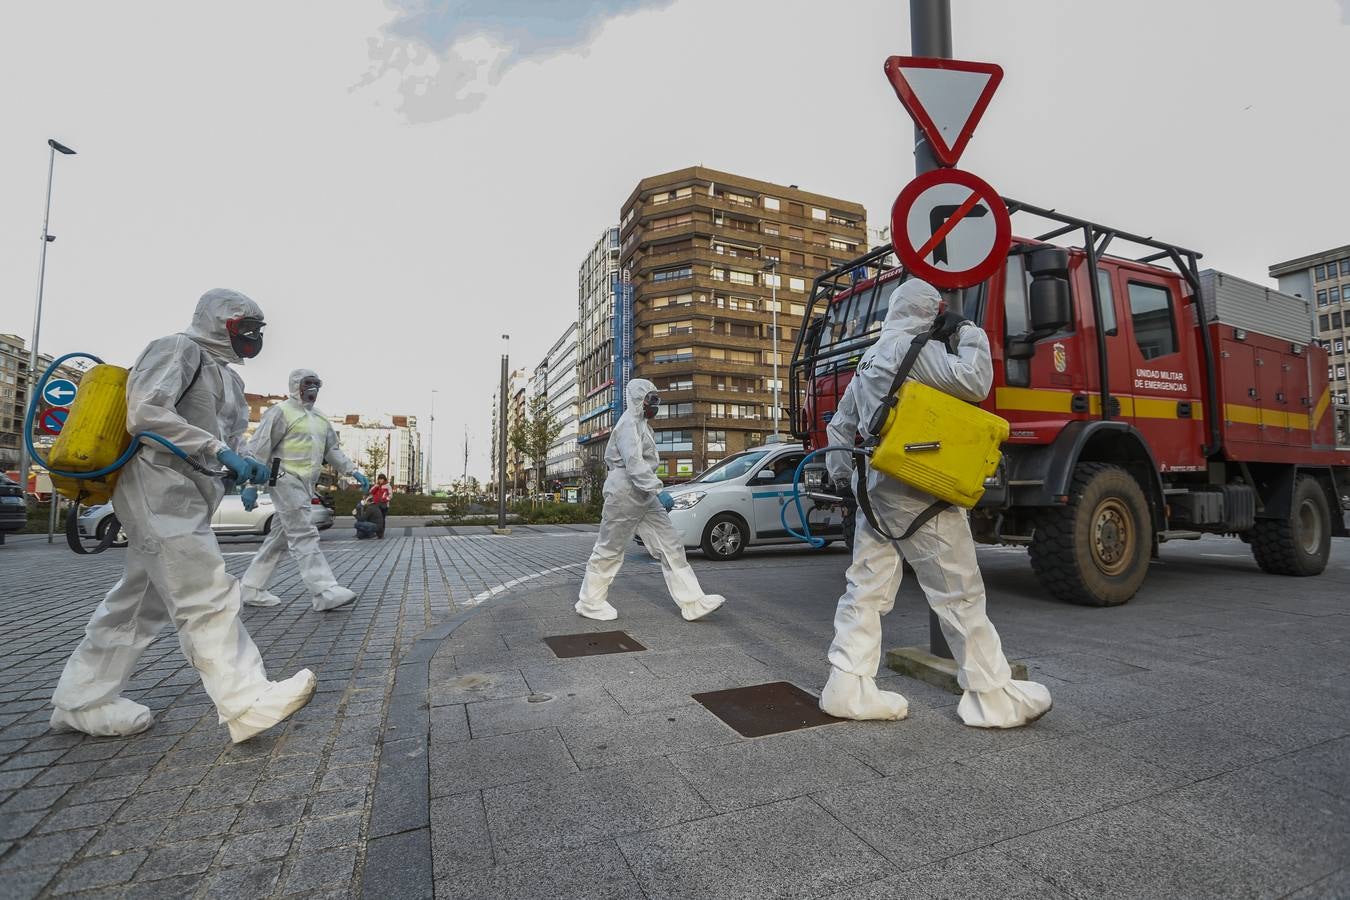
column 732, row 467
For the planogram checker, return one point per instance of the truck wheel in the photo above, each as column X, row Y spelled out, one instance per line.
column 1095, row 550
column 1300, row 544
column 724, row 538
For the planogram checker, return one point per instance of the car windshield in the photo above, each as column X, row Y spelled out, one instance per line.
column 732, row 467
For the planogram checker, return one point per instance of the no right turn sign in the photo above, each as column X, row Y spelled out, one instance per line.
column 950, row 228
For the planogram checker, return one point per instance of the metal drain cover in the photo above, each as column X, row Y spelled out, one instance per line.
column 765, row 708
column 592, row 643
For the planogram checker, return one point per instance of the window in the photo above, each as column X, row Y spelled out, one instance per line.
column 735, row 277
column 773, row 280
column 837, row 244
column 669, row 196
column 1321, row 298
column 770, row 358
column 797, row 284
column 671, row 441
column 1340, row 371
column 1155, row 330
column 1336, row 320
column 671, row 222
column 797, row 309
column 733, row 411
column 664, row 329
column 819, row 214
column 1320, row 273
column 676, row 300
column 771, row 203
column 1324, row 323
column 1340, row 346
column 740, row 199
column 746, row 357
column 677, row 383
column 675, row 410
column 672, row 274
column 717, row 442
column 1108, row 302
column 662, row 468
column 1334, row 294
column 684, row 467
column 769, row 228
column 1016, row 316
column 784, row 467
column 1345, row 266
column 682, row 354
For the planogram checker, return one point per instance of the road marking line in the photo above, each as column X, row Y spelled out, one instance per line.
column 505, row 586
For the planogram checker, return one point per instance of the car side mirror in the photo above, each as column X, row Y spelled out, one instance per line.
column 1051, row 304
column 764, row 475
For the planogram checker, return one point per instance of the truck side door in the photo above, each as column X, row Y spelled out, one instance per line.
column 1165, row 389
column 1119, row 358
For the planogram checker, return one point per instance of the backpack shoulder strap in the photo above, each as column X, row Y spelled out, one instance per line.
column 201, row 361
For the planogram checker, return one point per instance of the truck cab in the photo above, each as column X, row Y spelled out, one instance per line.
column 1146, row 403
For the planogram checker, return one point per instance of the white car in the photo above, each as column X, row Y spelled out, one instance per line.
column 740, row 501
column 230, row 518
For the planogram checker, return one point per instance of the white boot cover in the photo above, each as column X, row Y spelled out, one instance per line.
column 701, row 607
column 251, row 596
column 1016, row 703
column 278, row 702
column 600, row 612
column 333, row 597
column 116, row 718
column 849, row 696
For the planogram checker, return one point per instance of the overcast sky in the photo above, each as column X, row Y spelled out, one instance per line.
column 399, row 184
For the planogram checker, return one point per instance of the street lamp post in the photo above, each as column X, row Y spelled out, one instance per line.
column 427, row 485
column 501, row 439
column 54, row 147
column 772, row 267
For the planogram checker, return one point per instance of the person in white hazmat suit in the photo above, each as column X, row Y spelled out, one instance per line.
column 303, row 439
column 941, row 552
column 183, row 389
column 635, row 503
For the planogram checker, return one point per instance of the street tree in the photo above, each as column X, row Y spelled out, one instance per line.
column 535, row 434
column 373, row 462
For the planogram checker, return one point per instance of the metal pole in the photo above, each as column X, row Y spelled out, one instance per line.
column 930, row 34
column 775, row 350
column 24, row 461
column 431, row 447
column 501, row 449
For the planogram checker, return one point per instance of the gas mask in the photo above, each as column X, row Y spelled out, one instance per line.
column 650, row 404
column 309, row 389
column 246, row 336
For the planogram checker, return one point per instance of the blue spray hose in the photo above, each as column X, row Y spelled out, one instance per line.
column 132, row 449
column 797, row 498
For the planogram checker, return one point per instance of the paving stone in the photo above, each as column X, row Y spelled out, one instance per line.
column 1323, row 766
column 18, row 778
column 449, row 723
column 28, row 799
column 31, row 760
column 201, row 824
column 473, row 687
column 399, row 865
column 281, row 786
column 16, row 825
column 493, row 717
column 338, row 802
column 26, row 883
column 120, row 838
column 181, row 858
column 788, row 849
column 596, row 872
column 563, row 813
column 101, row 872
column 156, row 805
column 47, row 849
column 84, row 815
column 270, row 814
column 327, row 867
column 459, row 834
column 174, row 888
column 334, row 831
column 109, row 788
column 272, row 843
column 245, row 882
column 1132, row 852
column 657, row 733
column 491, row 761
column 347, row 778
column 1198, row 743
column 982, row 875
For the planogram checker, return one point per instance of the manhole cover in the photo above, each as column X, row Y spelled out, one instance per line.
column 593, row 643
column 765, row 708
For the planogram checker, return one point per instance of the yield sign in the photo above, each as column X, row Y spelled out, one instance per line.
column 945, row 97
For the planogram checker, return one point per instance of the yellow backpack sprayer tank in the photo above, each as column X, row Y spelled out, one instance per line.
column 93, row 437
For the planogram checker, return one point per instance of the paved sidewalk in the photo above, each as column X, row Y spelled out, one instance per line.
column 1199, row 747
column 178, row 811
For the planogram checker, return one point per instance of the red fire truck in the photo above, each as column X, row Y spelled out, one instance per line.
column 1149, row 402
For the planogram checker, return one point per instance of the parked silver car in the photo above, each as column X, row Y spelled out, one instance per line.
column 230, row 518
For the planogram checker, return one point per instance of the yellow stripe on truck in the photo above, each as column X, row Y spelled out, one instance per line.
column 1320, row 410
column 1032, row 400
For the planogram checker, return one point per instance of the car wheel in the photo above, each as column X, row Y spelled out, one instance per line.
column 111, row 522
column 267, row 526
column 725, row 537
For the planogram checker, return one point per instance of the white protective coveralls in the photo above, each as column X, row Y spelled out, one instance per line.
column 631, row 507
column 941, row 552
column 304, row 440
column 182, row 389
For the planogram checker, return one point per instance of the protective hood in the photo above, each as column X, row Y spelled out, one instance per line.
column 214, row 309
column 637, row 392
column 913, row 307
column 297, row 376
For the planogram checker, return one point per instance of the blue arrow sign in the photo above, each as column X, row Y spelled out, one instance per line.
column 59, row 392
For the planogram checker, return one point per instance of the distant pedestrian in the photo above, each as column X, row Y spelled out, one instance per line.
column 379, row 495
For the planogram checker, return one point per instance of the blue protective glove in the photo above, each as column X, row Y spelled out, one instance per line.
column 363, row 481
column 250, row 497
column 245, row 470
column 667, row 501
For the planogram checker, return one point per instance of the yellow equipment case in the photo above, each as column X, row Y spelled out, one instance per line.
column 939, row 444
column 94, row 435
